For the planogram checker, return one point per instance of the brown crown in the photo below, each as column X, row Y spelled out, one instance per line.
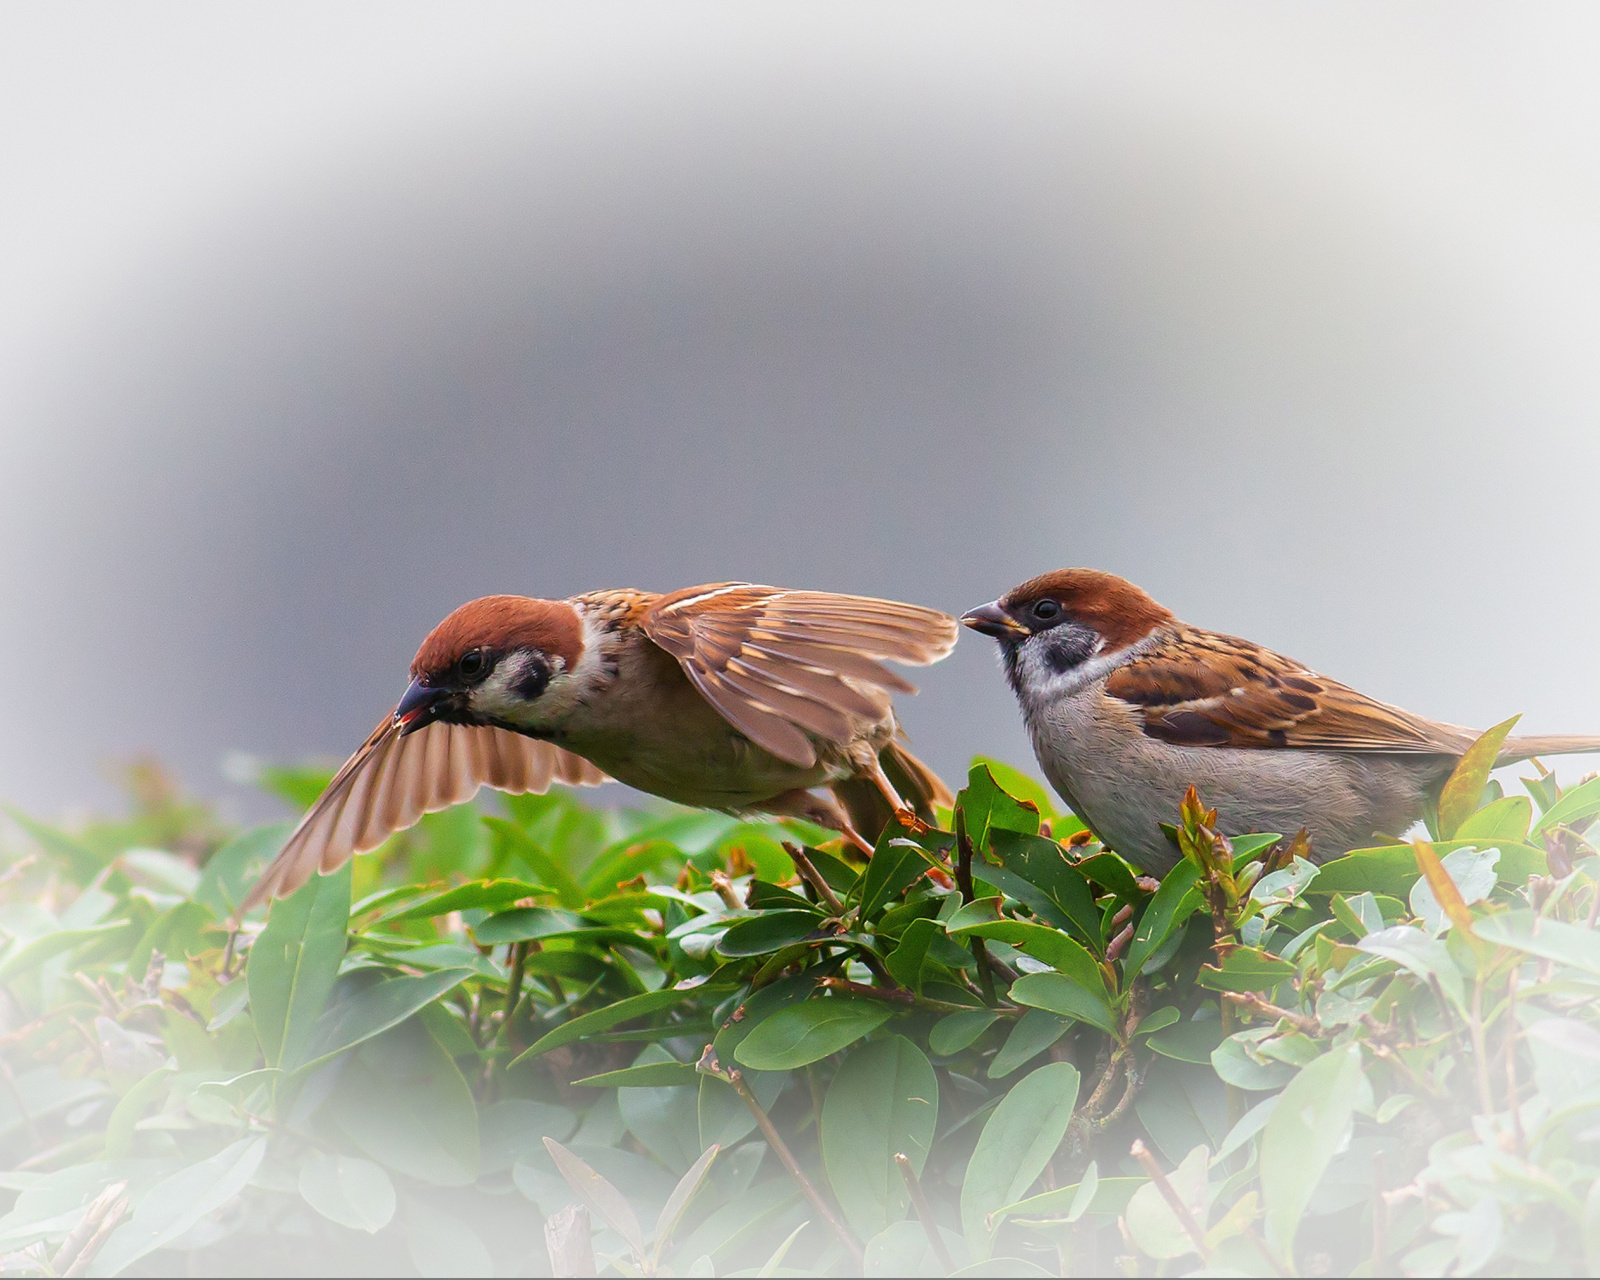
column 502, row 623
column 1113, row 606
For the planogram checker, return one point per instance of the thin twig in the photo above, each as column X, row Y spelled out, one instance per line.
column 710, row 1066
column 97, row 1241
column 813, row 877
column 1299, row 1021
column 919, row 1202
column 78, row 1238
column 1169, row 1193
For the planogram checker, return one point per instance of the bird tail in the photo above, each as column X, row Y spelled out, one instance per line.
column 918, row 785
column 1525, row 748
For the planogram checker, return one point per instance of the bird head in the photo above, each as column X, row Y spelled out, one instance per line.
column 1051, row 628
column 493, row 661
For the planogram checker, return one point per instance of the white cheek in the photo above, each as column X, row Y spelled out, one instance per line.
column 497, row 697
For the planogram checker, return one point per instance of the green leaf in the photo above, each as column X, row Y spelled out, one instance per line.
column 348, row 1190
column 982, row 919
column 524, row 924
column 806, row 1032
column 403, row 1101
column 600, row 1195
column 1464, row 787
column 440, row 1244
column 1156, row 1020
column 229, row 873
column 622, row 1011
column 1031, row 1035
column 510, row 839
column 678, row 1202
column 83, row 862
column 23, row 956
column 649, row 1075
column 130, row 1110
column 895, row 866
column 1234, row 1061
column 1017, row 1142
column 1112, row 874
column 1061, row 994
column 175, row 933
column 884, row 1100
column 1036, row 871
column 1307, row 1127
column 294, row 962
column 1189, row 1041
column 1412, row 949
column 485, row 894
column 176, row 1203
column 1109, row 1197
column 1020, row 785
column 1246, row 969
column 1549, row 939
column 984, row 804
column 955, row 1031
column 905, row 961
column 1174, row 902
column 1574, row 807
column 373, row 1011
column 768, row 932
column 1503, row 819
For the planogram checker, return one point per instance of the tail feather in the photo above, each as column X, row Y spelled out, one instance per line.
column 1525, row 748
column 918, row 785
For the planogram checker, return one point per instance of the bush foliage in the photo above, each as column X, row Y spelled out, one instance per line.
column 673, row 1043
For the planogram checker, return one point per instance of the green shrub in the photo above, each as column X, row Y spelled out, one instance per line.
column 993, row 1049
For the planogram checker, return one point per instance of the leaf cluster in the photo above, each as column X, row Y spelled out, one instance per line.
column 509, row 1040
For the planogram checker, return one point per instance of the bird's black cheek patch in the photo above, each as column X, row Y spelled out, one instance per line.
column 535, row 679
column 1066, row 647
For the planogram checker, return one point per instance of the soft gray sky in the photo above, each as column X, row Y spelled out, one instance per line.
column 316, row 321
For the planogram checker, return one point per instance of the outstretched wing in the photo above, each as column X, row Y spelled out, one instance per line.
column 783, row 667
column 1201, row 689
column 392, row 780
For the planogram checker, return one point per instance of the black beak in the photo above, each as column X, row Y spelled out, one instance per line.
column 418, row 707
column 994, row 621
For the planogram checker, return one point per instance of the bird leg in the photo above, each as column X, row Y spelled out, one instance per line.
column 820, row 808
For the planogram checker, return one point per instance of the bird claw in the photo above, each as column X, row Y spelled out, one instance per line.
column 907, row 817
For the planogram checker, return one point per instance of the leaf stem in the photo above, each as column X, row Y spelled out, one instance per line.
column 919, row 1201
column 519, row 961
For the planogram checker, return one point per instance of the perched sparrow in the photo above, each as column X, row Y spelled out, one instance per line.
column 1127, row 707
column 728, row 696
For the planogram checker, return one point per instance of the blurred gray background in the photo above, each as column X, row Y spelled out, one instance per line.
column 316, row 321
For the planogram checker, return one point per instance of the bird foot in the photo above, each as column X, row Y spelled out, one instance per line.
column 907, row 817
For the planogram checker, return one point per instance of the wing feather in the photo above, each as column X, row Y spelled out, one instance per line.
column 392, row 780
column 787, row 667
column 1202, row 689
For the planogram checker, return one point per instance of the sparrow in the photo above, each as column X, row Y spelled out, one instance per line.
column 1127, row 707
column 731, row 696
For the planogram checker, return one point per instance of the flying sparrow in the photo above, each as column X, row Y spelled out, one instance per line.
column 1127, row 707
column 729, row 696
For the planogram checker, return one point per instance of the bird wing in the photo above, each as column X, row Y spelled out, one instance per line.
column 784, row 667
column 393, row 779
column 1201, row 689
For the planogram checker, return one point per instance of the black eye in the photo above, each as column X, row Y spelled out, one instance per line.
column 1046, row 610
column 471, row 664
